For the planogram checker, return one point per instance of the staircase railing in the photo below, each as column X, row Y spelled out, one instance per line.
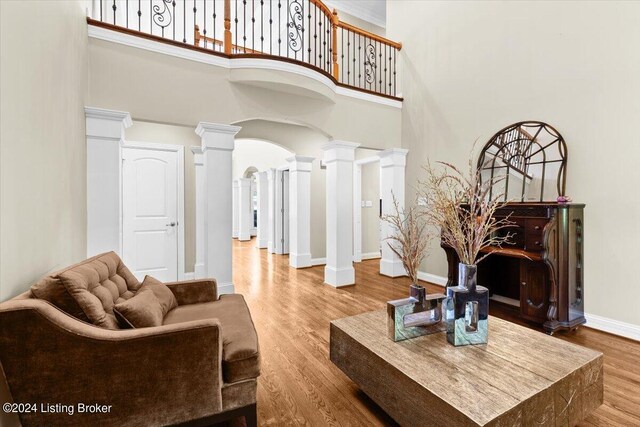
column 301, row 31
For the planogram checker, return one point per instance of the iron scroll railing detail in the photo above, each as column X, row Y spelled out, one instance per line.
column 296, row 26
column 303, row 31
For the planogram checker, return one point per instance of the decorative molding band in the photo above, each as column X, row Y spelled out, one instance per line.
column 216, row 128
column 371, row 255
column 318, row 261
column 105, row 34
column 604, row 324
column 104, row 114
column 615, row 327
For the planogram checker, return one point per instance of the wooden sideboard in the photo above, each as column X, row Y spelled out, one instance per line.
column 543, row 269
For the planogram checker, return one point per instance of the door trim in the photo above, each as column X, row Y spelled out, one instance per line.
column 179, row 149
column 357, row 206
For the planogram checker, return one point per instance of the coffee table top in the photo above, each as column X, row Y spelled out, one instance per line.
column 483, row 383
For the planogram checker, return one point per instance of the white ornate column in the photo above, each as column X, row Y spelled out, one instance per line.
column 300, row 211
column 392, row 168
column 262, row 189
column 271, row 179
column 217, row 148
column 235, row 212
column 105, row 134
column 198, row 162
column 245, row 217
column 338, row 157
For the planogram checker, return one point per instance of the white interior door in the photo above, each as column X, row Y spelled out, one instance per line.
column 150, row 212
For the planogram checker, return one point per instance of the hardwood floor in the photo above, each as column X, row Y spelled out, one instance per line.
column 300, row 386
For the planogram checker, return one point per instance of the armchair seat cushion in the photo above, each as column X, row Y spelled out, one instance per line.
column 240, row 353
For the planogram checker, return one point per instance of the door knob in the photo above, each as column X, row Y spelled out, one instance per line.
column 173, row 224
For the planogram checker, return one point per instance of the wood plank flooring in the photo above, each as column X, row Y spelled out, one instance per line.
column 300, row 386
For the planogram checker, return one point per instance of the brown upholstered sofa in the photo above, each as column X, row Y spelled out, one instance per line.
column 199, row 367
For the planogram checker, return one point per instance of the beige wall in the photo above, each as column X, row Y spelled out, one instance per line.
column 43, row 155
column 261, row 155
column 371, row 215
column 161, row 88
column 43, row 83
column 176, row 135
column 471, row 68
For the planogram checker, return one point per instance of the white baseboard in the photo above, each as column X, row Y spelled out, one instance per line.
column 600, row 323
column 318, row 261
column 226, row 288
column 432, row 278
column 371, row 255
column 612, row 326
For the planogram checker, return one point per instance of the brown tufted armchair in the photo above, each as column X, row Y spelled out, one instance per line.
column 200, row 367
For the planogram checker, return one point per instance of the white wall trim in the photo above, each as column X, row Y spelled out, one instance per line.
column 235, row 63
column 189, row 276
column 615, row 327
column 371, row 255
column 179, row 149
column 318, row 261
column 226, row 288
column 432, row 278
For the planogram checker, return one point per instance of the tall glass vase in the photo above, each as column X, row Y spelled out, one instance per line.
column 467, row 309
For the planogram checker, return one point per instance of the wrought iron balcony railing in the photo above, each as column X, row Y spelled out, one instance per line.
column 302, row 31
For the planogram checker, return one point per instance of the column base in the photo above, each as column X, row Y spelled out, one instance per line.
column 244, row 237
column 300, row 261
column 392, row 268
column 261, row 244
column 226, row 288
column 339, row 277
column 234, row 235
column 270, row 248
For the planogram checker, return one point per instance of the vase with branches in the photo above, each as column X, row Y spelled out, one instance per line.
column 409, row 238
column 460, row 205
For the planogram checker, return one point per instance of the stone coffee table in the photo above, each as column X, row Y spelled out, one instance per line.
column 520, row 378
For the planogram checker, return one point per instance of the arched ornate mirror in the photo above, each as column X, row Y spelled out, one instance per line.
column 528, row 160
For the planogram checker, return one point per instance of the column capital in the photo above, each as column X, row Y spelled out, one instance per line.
column 217, row 136
column 235, row 183
column 300, row 163
column 106, row 124
column 339, row 151
column 198, row 158
column 393, row 157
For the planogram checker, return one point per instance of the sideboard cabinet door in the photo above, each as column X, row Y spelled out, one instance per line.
column 534, row 290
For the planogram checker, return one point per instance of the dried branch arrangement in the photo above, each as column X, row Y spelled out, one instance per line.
column 410, row 238
column 461, row 207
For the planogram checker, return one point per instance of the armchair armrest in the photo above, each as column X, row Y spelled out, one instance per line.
column 194, row 291
column 151, row 376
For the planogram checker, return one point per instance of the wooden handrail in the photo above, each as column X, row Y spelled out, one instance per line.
column 367, row 34
column 198, row 37
column 324, row 8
